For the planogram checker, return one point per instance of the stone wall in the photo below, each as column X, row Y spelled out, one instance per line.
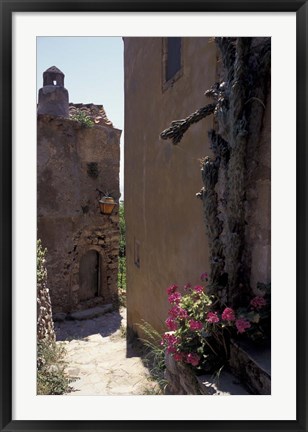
column 251, row 365
column 72, row 162
column 182, row 380
column 44, row 319
column 45, row 327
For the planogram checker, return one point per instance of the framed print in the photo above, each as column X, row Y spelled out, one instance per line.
column 208, row 260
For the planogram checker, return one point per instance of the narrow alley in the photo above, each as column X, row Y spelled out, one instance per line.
column 98, row 356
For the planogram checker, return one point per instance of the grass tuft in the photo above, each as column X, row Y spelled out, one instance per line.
column 154, row 357
column 52, row 378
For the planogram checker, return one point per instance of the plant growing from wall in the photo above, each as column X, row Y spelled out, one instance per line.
column 238, row 107
column 122, row 255
column 52, row 378
column 154, row 355
column 200, row 327
column 83, row 119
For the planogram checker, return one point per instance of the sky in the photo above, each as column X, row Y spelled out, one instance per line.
column 94, row 73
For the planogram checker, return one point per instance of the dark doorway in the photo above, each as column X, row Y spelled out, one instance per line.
column 89, row 275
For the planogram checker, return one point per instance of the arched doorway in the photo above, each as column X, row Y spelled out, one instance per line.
column 89, row 275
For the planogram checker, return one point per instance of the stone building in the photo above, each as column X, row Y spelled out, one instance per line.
column 75, row 164
column 166, row 236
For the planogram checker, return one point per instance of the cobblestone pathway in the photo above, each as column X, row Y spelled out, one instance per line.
column 98, row 355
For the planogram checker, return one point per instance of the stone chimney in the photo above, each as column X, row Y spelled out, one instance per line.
column 53, row 96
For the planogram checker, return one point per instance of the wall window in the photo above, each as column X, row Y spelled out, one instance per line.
column 173, row 64
column 172, row 60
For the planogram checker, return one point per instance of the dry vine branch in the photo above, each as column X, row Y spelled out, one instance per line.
column 179, row 127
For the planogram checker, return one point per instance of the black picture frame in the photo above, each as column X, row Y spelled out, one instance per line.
column 7, row 8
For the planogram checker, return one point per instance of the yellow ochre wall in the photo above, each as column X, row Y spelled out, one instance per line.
column 161, row 180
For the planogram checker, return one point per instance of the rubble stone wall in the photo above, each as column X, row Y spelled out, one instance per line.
column 45, row 327
column 72, row 162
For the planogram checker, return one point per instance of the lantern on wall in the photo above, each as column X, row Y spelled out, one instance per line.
column 107, row 204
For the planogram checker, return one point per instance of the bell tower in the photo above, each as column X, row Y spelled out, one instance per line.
column 53, row 96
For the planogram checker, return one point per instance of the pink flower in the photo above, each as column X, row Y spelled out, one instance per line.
column 187, row 286
column 173, row 312
column 198, row 289
column 172, row 289
column 195, row 325
column 169, row 339
column 182, row 313
column 174, row 298
column 228, row 314
column 171, row 324
column 212, row 317
column 178, row 356
column 204, row 277
column 258, row 302
column 242, row 325
column 178, row 312
column 193, row 359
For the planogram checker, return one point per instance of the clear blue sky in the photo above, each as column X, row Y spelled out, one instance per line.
column 93, row 68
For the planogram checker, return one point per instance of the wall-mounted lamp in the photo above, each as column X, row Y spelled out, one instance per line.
column 106, row 203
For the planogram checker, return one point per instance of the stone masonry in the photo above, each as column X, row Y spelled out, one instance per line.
column 74, row 163
column 45, row 326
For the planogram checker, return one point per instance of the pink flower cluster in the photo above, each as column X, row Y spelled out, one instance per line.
column 179, row 356
column 228, row 314
column 171, row 324
column 212, row 317
column 175, row 298
column 242, row 325
column 195, row 325
column 178, row 312
column 179, row 319
column 191, row 358
column 171, row 341
column 198, row 289
column 258, row 302
column 172, row 289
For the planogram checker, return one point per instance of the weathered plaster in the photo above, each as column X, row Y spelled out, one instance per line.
column 161, row 180
column 68, row 215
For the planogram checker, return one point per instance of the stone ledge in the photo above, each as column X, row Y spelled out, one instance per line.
column 223, row 385
column 60, row 316
column 252, row 365
column 183, row 381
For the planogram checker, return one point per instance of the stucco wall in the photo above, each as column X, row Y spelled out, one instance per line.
column 68, row 215
column 164, row 218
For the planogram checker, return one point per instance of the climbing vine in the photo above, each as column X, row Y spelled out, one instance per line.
column 238, row 108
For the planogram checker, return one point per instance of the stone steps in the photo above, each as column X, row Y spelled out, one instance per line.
column 182, row 380
column 91, row 313
column 251, row 365
column 84, row 314
column 224, row 384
